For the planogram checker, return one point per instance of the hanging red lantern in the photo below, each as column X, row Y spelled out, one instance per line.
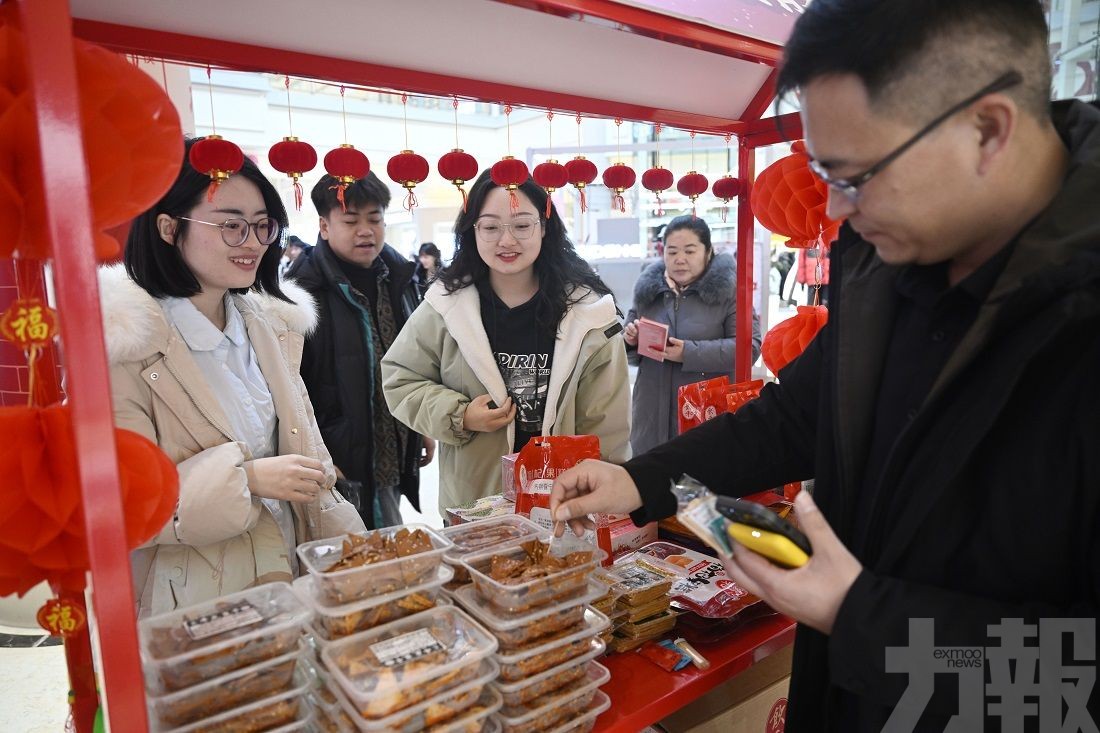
column 726, row 188
column 788, row 339
column 294, row 158
column 581, row 172
column 408, row 169
column 693, row 185
column 458, row 167
column 551, row 175
column 346, row 165
column 790, row 200
column 509, row 173
column 658, row 180
column 618, row 178
column 216, row 157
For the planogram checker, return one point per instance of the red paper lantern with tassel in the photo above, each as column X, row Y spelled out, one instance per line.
column 509, row 173
column 216, row 157
column 726, row 188
column 658, row 180
column 294, row 158
column 551, row 175
column 458, row 167
column 408, row 169
column 693, row 185
column 788, row 339
column 618, row 178
column 581, row 173
column 346, row 165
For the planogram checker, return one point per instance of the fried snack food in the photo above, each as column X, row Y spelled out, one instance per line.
column 547, row 712
column 514, row 630
column 361, row 566
column 520, row 577
column 477, row 536
column 188, row 707
column 279, row 713
column 545, row 686
column 537, row 663
column 367, row 618
column 379, row 547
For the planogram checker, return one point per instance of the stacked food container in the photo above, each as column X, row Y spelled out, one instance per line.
column 395, row 654
column 534, row 598
column 639, row 602
column 234, row 663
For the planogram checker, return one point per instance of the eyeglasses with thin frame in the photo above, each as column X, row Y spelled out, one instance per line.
column 235, row 231
column 491, row 230
column 850, row 187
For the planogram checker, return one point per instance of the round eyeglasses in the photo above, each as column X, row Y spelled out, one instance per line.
column 492, row 230
column 235, row 231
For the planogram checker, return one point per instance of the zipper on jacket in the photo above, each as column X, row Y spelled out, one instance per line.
column 209, row 418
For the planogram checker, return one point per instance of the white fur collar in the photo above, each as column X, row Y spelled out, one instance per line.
column 134, row 326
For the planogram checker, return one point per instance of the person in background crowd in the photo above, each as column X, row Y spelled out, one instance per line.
column 291, row 250
column 948, row 408
column 429, row 260
column 365, row 294
column 516, row 338
column 693, row 290
column 784, row 263
column 204, row 342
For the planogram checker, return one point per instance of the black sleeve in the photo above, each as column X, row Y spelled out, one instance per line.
column 767, row 443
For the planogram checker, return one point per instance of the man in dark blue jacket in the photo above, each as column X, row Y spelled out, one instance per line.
column 948, row 410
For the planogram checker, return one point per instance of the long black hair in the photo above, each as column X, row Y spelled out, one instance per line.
column 159, row 267
column 564, row 278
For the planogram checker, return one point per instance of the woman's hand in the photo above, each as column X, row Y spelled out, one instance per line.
column 481, row 418
column 675, row 350
column 427, row 453
column 630, row 333
column 286, row 478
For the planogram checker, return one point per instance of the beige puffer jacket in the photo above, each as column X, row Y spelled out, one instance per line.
column 222, row 539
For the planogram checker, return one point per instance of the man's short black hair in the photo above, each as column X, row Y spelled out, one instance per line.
column 364, row 192
column 916, row 57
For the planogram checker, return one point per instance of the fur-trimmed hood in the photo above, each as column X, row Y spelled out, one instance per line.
column 134, row 326
column 716, row 285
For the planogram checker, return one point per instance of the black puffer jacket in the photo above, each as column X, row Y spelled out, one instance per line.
column 994, row 511
column 336, row 364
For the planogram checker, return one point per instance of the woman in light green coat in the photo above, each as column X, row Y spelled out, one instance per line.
column 516, row 338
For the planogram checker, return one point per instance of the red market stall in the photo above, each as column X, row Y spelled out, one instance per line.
column 645, row 61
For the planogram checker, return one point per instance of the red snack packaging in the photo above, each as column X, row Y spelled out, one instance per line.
column 702, row 586
column 742, row 393
column 692, row 402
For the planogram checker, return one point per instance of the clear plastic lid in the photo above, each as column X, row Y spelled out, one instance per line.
column 389, row 664
column 524, row 716
column 523, row 590
column 382, row 576
column 597, row 706
column 473, row 537
column 596, row 647
column 286, row 711
column 594, row 623
column 172, row 709
column 499, row 620
column 197, row 643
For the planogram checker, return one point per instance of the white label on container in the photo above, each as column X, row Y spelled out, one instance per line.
column 239, row 616
column 540, row 486
column 405, row 648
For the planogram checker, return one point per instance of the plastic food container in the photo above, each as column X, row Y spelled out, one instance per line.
column 283, row 712
column 534, row 687
column 207, row 640
column 587, row 721
column 562, row 706
column 516, row 629
column 478, row 720
column 517, row 597
column 474, row 537
column 342, row 620
column 396, row 666
column 543, row 654
column 461, row 703
column 636, row 582
column 380, row 578
column 224, row 693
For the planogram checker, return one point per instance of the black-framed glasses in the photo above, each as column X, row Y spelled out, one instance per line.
column 492, row 230
column 849, row 187
column 235, row 231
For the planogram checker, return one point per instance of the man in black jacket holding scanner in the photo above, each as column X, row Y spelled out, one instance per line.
column 948, row 411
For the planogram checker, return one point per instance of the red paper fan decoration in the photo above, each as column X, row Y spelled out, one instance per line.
column 551, row 175
column 581, row 173
column 509, row 174
column 658, row 180
column 790, row 200
column 458, row 167
column 788, row 339
column 346, row 165
column 294, row 158
column 726, row 188
column 618, row 178
column 408, row 169
column 693, row 185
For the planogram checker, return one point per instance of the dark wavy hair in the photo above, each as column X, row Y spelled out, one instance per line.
column 564, row 278
column 159, row 268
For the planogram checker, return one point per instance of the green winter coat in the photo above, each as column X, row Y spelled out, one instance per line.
column 441, row 360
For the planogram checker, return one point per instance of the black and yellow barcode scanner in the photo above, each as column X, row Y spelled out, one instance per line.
column 764, row 532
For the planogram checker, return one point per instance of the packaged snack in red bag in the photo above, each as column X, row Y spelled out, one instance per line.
column 742, row 393
column 692, row 403
column 703, row 586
